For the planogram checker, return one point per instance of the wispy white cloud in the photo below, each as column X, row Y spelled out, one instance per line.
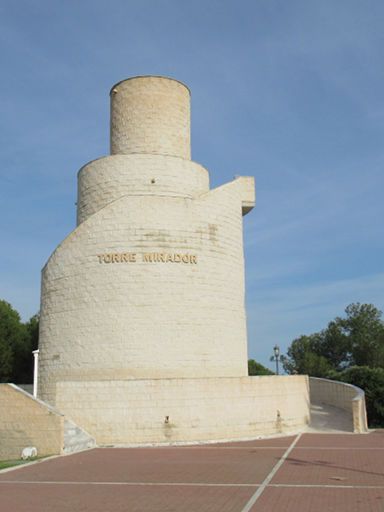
column 286, row 312
column 291, row 92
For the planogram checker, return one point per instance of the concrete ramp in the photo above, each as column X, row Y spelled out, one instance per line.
column 337, row 407
column 328, row 418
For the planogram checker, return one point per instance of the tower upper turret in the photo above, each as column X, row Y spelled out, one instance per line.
column 151, row 115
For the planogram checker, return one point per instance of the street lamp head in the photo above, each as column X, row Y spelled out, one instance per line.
column 276, row 350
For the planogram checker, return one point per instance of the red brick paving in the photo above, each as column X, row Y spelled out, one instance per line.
column 373, row 440
column 330, row 466
column 111, row 498
column 176, row 465
column 281, row 442
column 321, row 473
column 320, row 500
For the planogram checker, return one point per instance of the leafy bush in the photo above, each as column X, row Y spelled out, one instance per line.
column 255, row 368
column 371, row 380
column 17, row 340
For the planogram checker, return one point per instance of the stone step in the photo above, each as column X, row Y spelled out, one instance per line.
column 76, row 439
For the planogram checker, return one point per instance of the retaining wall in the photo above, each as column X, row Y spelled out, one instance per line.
column 185, row 410
column 25, row 421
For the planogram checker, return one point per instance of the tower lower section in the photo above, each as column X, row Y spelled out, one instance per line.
column 186, row 410
column 148, row 287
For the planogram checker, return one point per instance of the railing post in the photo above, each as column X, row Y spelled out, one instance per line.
column 35, row 370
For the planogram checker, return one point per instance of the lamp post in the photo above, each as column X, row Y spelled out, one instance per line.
column 276, row 350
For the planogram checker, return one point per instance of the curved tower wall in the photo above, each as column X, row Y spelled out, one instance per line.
column 110, row 178
column 150, row 115
column 150, row 284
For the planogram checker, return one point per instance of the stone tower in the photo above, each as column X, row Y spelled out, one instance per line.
column 150, row 284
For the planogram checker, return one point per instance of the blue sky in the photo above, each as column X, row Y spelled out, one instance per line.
column 289, row 92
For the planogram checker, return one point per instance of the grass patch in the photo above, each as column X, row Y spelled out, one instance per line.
column 9, row 463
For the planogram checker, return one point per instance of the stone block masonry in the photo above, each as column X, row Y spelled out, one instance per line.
column 151, row 282
column 143, row 325
column 186, row 410
column 150, row 115
column 25, row 421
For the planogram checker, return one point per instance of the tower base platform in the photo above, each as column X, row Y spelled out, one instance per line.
column 177, row 410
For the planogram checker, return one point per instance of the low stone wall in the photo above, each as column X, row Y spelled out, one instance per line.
column 185, row 410
column 25, row 421
column 345, row 396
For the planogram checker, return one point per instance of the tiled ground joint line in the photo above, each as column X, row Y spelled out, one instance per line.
column 269, row 477
column 193, row 484
column 330, row 447
column 348, row 448
column 328, row 486
column 154, row 484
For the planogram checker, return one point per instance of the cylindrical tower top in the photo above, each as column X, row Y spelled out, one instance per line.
column 150, row 114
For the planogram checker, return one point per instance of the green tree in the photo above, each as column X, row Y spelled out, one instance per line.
column 365, row 331
column 334, row 345
column 6, row 360
column 23, row 373
column 12, row 336
column 371, row 380
column 17, row 340
column 255, row 368
column 356, row 340
column 33, row 331
column 303, row 357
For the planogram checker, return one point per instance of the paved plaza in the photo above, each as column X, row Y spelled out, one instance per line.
column 307, row 472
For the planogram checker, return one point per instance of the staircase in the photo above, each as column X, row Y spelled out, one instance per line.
column 76, row 439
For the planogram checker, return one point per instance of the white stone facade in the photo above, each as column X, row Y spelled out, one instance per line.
column 151, row 115
column 151, row 282
column 186, row 410
column 142, row 305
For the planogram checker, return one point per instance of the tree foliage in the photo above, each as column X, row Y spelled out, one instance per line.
column 372, row 381
column 350, row 349
column 17, row 340
column 356, row 340
column 255, row 368
column 365, row 331
column 303, row 358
